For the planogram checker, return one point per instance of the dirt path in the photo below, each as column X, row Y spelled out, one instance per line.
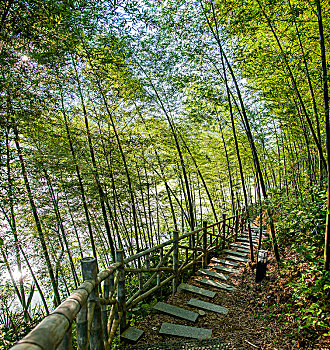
column 247, row 320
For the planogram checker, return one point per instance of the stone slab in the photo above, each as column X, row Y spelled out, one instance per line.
column 234, row 252
column 132, row 334
column 185, row 331
column 196, row 290
column 208, row 306
column 254, row 238
column 225, row 269
column 244, row 240
column 212, row 274
column 247, row 245
column 216, row 284
column 176, row 311
column 239, row 245
column 243, row 250
column 226, row 262
column 237, row 258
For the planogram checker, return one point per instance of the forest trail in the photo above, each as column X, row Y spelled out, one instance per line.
column 208, row 308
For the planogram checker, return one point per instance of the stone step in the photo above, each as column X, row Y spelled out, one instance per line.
column 185, row 331
column 254, row 238
column 197, row 290
column 226, row 262
column 216, row 284
column 243, row 250
column 234, row 252
column 225, row 269
column 237, row 258
column 132, row 334
column 253, row 232
column 243, row 240
column 212, row 274
column 208, row 306
column 246, row 246
column 176, row 311
column 239, row 245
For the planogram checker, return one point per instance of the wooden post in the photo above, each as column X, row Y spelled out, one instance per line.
column 106, row 293
column 89, row 272
column 260, row 229
column 193, row 242
column 121, row 290
column 223, row 230
column 242, row 223
column 217, row 239
column 251, row 243
column 66, row 343
column 236, row 223
column 204, row 263
column 81, row 326
column 111, row 283
column 148, row 261
column 140, row 275
column 161, row 255
column 175, row 260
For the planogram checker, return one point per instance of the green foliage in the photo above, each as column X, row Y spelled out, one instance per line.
column 14, row 327
column 300, row 221
column 300, row 226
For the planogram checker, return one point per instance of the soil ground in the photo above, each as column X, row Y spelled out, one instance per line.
column 255, row 319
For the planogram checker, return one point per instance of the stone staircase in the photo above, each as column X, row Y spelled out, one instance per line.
column 225, row 268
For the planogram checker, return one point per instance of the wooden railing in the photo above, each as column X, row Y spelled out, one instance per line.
column 86, row 310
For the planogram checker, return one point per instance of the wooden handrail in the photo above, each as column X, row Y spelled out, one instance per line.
column 55, row 330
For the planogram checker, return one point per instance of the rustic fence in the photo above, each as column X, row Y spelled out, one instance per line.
column 97, row 310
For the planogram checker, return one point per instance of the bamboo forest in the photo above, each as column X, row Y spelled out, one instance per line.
column 164, row 174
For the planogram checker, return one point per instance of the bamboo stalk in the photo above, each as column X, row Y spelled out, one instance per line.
column 95, row 333
column 175, row 260
column 66, row 343
column 152, row 269
column 190, row 248
column 169, row 242
column 121, row 290
column 110, row 319
column 104, row 301
column 160, row 260
column 106, row 293
column 149, row 281
column 47, row 335
column 223, row 230
column 204, row 263
column 150, row 291
column 101, row 276
column 115, row 326
column 82, row 328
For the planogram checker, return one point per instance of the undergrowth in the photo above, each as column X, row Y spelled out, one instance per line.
column 300, row 227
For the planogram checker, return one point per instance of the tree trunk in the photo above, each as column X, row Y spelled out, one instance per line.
column 327, row 132
column 37, row 221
